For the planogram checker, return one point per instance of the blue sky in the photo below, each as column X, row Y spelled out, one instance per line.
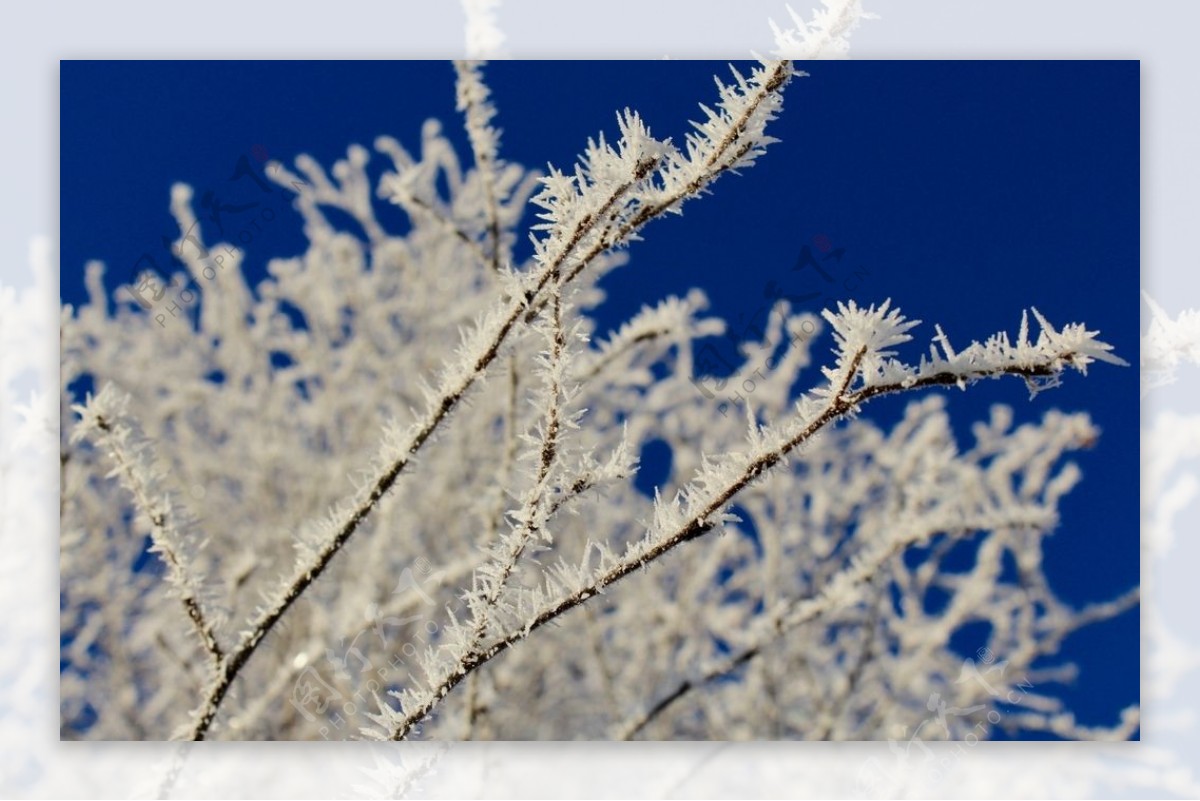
column 965, row 191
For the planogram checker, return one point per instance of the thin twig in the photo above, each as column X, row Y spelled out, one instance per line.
column 478, row 113
column 159, row 514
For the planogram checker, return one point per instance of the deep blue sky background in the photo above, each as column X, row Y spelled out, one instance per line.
column 965, row 191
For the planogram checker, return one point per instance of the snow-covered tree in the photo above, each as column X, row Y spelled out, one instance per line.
column 388, row 491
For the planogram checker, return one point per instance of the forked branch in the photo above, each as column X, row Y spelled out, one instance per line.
column 863, row 337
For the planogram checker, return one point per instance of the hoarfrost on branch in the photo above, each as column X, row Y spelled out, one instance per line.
column 391, row 486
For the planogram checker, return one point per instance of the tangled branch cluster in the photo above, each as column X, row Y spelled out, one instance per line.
column 391, row 486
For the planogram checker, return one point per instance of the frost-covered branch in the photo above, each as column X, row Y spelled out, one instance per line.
column 474, row 100
column 825, row 36
column 105, row 419
column 1168, row 344
column 530, row 520
column 351, row 193
column 731, row 138
column 673, row 319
